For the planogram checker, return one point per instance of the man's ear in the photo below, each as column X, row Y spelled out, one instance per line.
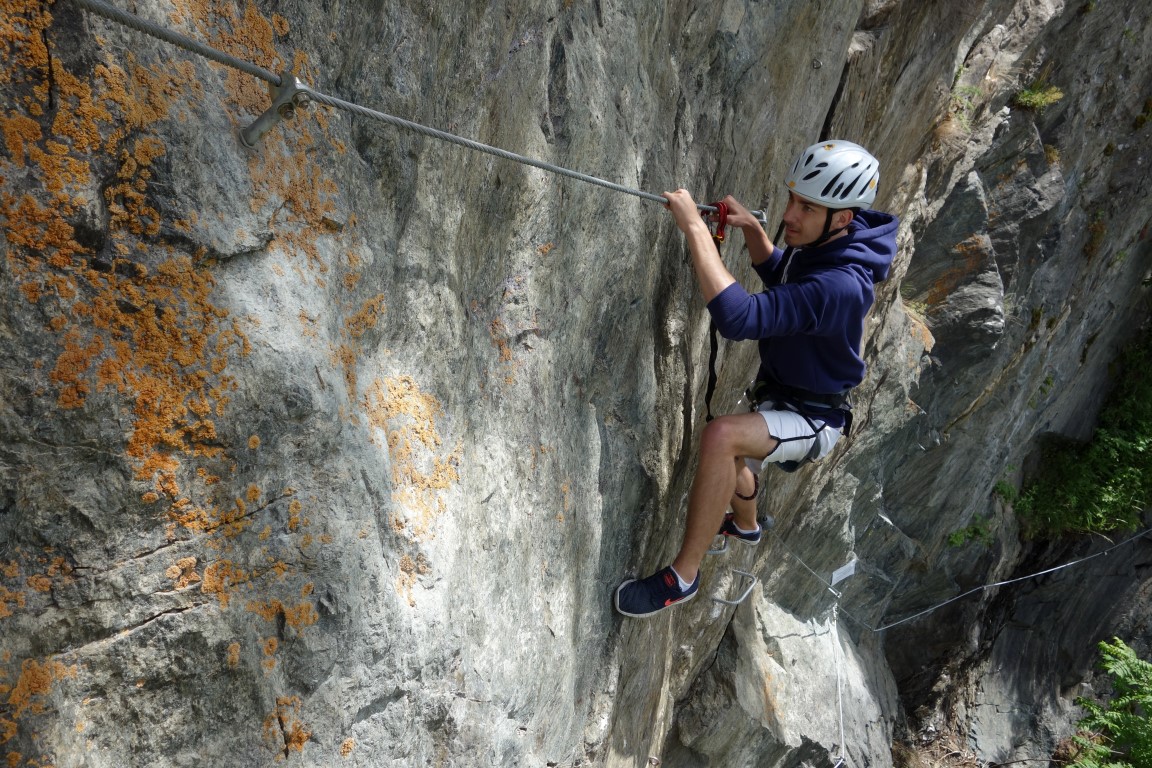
column 842, row 218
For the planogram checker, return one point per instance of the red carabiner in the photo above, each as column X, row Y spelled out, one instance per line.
column 721, row 220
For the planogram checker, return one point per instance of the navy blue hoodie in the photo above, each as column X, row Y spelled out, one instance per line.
column 809, row 319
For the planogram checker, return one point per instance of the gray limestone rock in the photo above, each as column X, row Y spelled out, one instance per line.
column 332, row 451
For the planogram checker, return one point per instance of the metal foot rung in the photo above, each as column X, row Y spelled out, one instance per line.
column 752, row 580
column 722, row 548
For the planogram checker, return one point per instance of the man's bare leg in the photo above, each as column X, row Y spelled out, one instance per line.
column 724, row 441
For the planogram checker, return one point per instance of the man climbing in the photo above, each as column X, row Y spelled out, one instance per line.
column 809, row 323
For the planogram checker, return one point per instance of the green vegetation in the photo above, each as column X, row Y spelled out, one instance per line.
column 1006, row 490
column 979, row 531
column 1097, row 232
column 1042, row 393
column 965, row 100
column 1142, row 118
column 1117, row 733
column 1102, row 485
column 1038, row 96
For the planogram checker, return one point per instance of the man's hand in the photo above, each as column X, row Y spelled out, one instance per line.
column 684, row 210
column 738, row 215
column 710, row 270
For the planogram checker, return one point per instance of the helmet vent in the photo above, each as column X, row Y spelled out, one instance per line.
column 827, row 191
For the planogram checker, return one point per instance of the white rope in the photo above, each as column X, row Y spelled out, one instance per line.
column 974, row 590
column 962, row 595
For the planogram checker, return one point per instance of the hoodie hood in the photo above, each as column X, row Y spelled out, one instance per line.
column 870, row 242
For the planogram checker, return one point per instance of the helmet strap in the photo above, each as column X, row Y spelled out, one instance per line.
column 828, row 232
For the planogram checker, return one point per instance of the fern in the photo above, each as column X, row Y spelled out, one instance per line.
column 1118, row 732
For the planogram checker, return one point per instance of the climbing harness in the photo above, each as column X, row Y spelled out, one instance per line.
column 808, row 405
column 289, row 95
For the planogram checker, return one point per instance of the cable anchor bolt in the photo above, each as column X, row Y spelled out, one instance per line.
column 287, row 97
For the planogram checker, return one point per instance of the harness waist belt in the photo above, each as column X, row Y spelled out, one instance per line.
column 762, row 390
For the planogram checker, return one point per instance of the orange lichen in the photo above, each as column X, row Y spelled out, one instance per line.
column 294, row 508
column 133, row 320
column 566, row 496
column 345, row 357
column 408, row 417
column 295, row 616
column 40, row 583
column 269, row 646
column 410, row 569
column 35, row 683
column 347, row 746
column 150, row 337
column 499, row 336
column 221, row 578
column 183, row 572
column 366, row 318
column 9, row 600
column 284, row 733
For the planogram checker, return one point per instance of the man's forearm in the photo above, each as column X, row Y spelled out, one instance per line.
column 760, row 248
column 711, row 273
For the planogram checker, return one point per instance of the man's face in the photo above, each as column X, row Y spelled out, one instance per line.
column 804, row 221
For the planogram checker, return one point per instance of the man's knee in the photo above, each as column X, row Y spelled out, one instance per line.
column 720, row 435
column 736, row 436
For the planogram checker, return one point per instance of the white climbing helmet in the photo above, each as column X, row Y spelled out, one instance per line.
column 835, row 174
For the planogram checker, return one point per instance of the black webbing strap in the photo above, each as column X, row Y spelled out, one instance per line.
column 714, row 350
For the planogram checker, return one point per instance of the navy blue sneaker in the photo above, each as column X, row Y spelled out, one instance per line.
column 729, row 529
column 646, row 597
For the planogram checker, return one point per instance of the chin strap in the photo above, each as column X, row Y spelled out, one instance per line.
column 828, row 232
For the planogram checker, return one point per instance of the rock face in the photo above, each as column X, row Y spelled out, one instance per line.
column 332, row 451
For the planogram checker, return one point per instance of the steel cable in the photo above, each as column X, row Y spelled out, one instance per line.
column 175, row 38
column 112, row 13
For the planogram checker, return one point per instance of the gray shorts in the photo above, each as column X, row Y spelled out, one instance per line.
column 785, row 424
